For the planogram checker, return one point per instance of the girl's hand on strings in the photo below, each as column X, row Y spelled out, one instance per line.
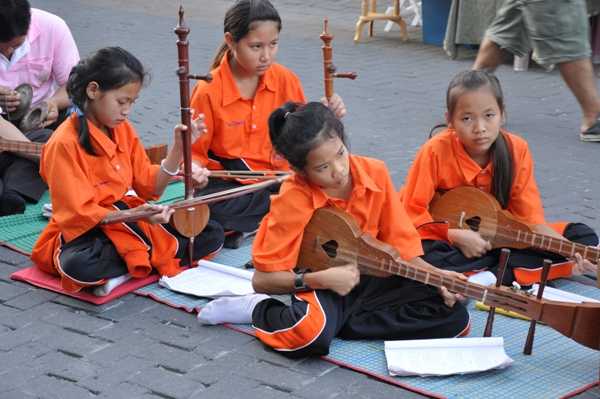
column 336, row 104
column 200, row 175
column 470, row 243
column 340, row 279
column 163, row 215
column 198, row 128
column 450, row 298
column 198, row 125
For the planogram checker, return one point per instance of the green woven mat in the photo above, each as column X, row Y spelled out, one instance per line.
column 22, row 231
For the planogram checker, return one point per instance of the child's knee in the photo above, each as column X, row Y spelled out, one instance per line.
column 318, row 347
column 76, row 268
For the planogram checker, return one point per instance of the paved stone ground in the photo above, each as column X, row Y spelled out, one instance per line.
column 55, row 347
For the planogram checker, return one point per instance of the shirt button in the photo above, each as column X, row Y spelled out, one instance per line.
column 117, row 167
column 254, row 107
column 253, row 126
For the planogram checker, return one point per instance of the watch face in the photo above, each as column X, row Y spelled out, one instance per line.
column 299, row 281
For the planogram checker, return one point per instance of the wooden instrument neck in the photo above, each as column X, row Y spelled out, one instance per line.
column 329, row 70
column 21, row 147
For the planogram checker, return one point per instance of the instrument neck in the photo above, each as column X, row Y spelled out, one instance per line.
column 22, row 147
column 489, row 295
column 559, row 246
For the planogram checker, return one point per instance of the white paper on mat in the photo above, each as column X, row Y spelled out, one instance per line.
column 554, row 294
column 210, row 279
column 447, row 356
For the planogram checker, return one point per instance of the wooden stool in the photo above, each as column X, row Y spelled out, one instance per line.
column 369, row 14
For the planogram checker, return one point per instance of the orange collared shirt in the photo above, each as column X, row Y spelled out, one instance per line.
column 83, row 187
column 373, row 203
column 443, row 164
column 237, row 128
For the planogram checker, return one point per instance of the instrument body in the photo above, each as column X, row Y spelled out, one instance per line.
column 471, row 208
column 333, row 238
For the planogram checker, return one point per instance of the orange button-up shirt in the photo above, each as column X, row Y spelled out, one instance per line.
column 443, row 164
column 373, row 203
column 83, row 187
column 237, row 128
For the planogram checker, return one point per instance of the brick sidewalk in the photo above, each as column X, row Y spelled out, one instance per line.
column 55, row 347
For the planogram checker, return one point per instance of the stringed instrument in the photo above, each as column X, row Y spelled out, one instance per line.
column 333, row 238
column 471, row 208
column 156, row 153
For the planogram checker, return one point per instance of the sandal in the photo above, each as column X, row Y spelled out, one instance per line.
column 592, row 133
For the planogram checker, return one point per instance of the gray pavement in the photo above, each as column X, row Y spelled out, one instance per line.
column 55, row 347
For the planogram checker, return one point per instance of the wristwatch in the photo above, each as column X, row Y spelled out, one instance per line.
column 299, row 283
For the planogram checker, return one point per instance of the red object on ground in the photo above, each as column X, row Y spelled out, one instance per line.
column 38, row 278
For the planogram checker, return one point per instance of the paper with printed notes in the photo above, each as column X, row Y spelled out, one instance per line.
column 446, row 356
column 210, row 279
column 555, row 294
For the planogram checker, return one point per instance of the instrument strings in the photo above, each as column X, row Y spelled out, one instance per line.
column 502, row 232
column 469, row 289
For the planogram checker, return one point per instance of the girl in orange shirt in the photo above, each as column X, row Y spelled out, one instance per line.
column 247, row 86
column 475, row 151
column 336, row 301
column 91, row 163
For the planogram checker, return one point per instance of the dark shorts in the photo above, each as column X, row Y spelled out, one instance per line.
column 556, row 30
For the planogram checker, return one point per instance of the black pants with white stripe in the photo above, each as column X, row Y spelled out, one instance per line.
column 243, row 213
column 92, row 256
column 392, row 308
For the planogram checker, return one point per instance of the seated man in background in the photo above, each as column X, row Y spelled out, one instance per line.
column 36, row 48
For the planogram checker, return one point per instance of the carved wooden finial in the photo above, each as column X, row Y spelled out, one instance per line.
column 325, row 36
column 181, row 29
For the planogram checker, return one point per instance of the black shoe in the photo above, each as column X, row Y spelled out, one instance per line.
column 233, row 240
column 592, row 133
column 11, row 203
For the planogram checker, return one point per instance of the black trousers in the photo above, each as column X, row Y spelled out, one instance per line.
column 22, row 175
column 243, row 213
column 377, row 308
column 92, row 256
column 445, row 256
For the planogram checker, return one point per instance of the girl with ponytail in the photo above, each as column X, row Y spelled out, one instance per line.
column 95, row 164
column 476, row 151
column 338, row 301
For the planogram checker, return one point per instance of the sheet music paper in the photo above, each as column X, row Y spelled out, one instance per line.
column 554, row 294
column 210, row 279
column 447, row 356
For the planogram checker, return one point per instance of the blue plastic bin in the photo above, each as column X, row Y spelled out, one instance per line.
column 435, row 19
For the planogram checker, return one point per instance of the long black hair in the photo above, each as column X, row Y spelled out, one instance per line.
column 111, row 68
column 15, row 18
column 239, row 19
column 500, row 152
column 295, row 129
